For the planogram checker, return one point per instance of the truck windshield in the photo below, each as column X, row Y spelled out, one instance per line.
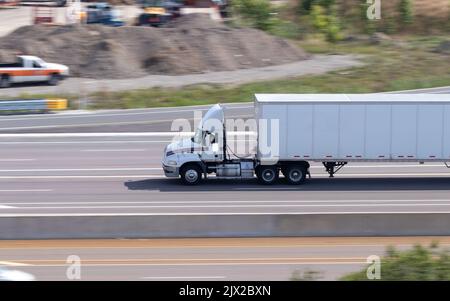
column 198, row 136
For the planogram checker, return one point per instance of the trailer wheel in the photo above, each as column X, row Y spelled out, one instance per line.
column 191, row 174
column 267, row 175
column 295, row 174
column 5, row 82
column 54, row 79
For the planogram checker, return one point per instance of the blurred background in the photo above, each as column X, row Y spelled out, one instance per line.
column 110, row 77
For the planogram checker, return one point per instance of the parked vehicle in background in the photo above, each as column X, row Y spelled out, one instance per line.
column 29, row 68
column 334, row 129
column 158, row 12
column 8, row 2
column 103, row 13
column 58, row 3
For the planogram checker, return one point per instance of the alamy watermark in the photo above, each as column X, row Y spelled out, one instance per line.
column 374, row 269
column 373, row 10
column 73, row 271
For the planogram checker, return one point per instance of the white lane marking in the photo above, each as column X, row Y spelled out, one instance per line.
column 369, row 175
column 115, row 150
column 98, row 124
column 26, row 190
column 7, row 207
column 79, row 169
column 387, row 166
column 13, row 263
column 435, row 89
column 86, row 142
column 387, row 175
column 116, row 134
column 15, row 160
column 187, row 109
column 83, row 177
column 219, row 213
column 232, row 206
column 213, row 264
column 218, row 202
column 160, row 169
column 184, row 277
column 83, row 135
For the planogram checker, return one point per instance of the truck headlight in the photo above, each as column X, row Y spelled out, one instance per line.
column 171, row 162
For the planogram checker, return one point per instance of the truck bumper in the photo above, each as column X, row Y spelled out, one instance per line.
column 171, row 171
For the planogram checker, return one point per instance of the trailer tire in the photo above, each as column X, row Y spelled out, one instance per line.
column 267, row 174
column 5, row 82
column 54, row 79
column 191, row 174
column 295, row 174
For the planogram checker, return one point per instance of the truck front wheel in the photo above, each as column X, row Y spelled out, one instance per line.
column 191, row 174
column 295, row 174
column 267, row 175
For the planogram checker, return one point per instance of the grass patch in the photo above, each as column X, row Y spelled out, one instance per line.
column 401, row 64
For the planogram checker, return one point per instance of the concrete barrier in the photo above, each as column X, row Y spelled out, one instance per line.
column 158, row 226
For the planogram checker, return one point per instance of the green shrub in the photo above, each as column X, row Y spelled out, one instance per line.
column 255, row 13
column 406, row 13
column 326, row 22
column 419, row 263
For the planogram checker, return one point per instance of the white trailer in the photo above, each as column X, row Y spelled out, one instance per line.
column 334, row 129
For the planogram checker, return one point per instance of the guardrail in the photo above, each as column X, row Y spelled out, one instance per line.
column 32, row 105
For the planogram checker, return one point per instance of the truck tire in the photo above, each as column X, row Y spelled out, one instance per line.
column 295, row 174
column 191, row 174
column 267, row 175
column 4, row 81
column 54, row 80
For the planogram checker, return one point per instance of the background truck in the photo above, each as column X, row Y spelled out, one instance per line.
column 159, row 12
column 103, row 13
column 334, row 129
column 29, row 68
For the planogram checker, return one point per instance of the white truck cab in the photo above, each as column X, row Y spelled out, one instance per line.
column 189, row 157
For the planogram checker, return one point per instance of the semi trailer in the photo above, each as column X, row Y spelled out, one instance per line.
column 334, row 129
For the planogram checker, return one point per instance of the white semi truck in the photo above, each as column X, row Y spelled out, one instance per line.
column 334, row 129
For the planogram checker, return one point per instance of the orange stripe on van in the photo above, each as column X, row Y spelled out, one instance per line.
column 31, row 72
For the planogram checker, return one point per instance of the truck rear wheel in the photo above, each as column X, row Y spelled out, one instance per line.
column 267, row 175
column 191, row 174
column 4, row 81
column 295, row 174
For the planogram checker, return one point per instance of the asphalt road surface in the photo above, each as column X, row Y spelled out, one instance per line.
column 71, row 172
column 122, row 175
column 201, row 259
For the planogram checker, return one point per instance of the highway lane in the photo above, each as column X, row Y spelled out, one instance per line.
column 58, row 176
column 132, row 120
column 202, row 259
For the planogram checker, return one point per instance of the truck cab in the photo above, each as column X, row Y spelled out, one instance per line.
column 207, row 153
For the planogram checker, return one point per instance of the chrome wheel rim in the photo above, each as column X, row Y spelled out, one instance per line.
column 191, row 175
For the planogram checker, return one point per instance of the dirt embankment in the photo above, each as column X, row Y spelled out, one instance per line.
column 191, row 44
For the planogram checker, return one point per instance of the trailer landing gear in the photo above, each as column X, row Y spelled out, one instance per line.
column 331, row 169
